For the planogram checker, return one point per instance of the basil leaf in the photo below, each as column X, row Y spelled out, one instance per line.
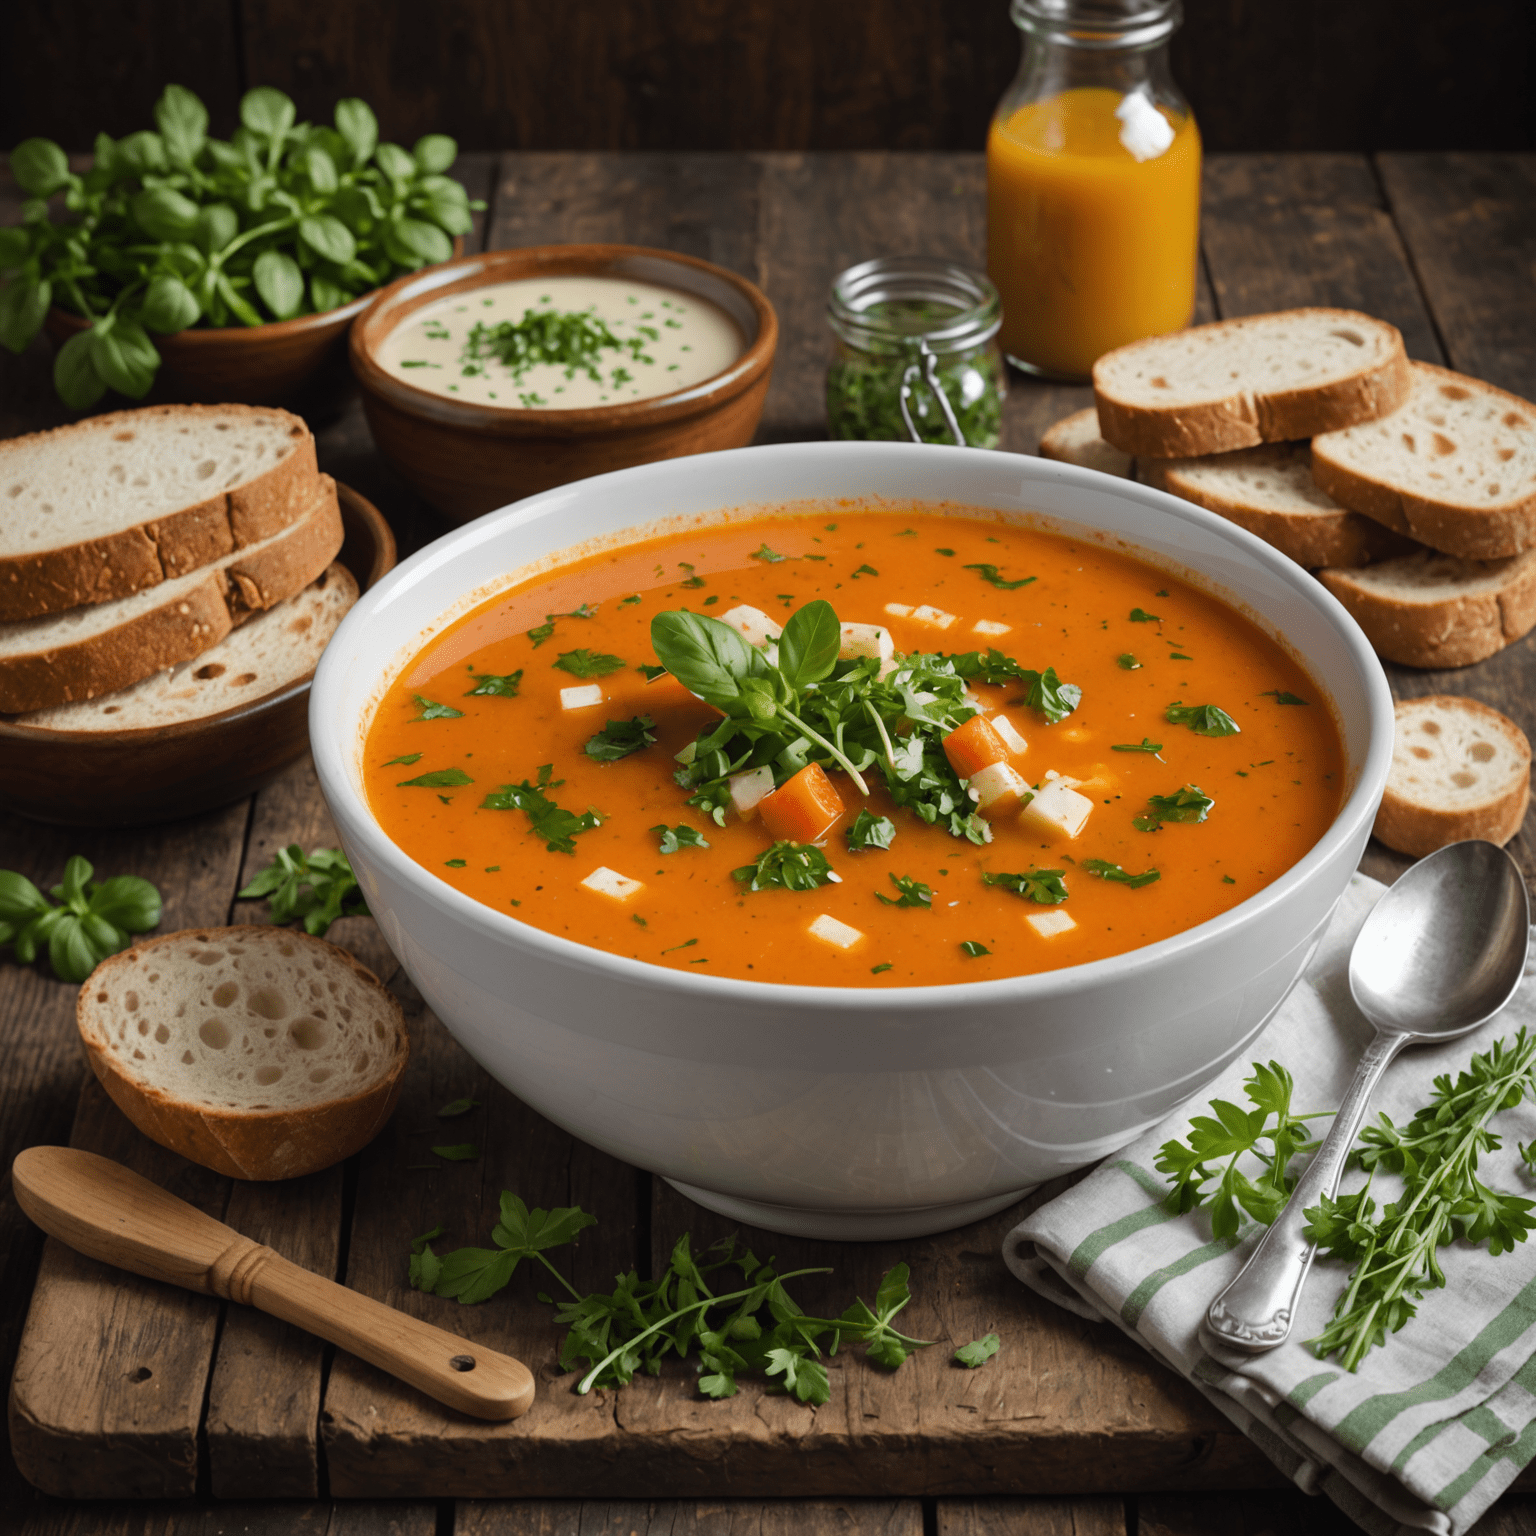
column 72, row 889
column 441, row 778
column 394, row 162
column 870, row 831
column 435, row 152
column 321, row 170
column 20, row 900
column 164, row 213
column 1202, row 719
column 169, row 305
column 619, row 738
column 15, row 243
column 414, row 242
column 127, row 902
column 809, row 644
column 183, row 123
column 356, row 123
column 70, row 952
column 708, row 658
column 913, row 893
column 489, row 684
column 430, row 711
column 978, row 1351
column 23, row 308
column 1281, row 697
column 124, row 356
column 584, row 663
column 216, row 226
column 39, row 166
column 280, row 283
column 973, row 949
column 140, row 152
column 267, row 111
column 1189, row 804
column 327, row 236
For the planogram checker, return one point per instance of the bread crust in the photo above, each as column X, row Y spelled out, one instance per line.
column 257, row 1145
column 125, row 562
column 175, row 632
column 1246, row 418
column 1462, row 628
column 1474, row 533
column 1416, row 828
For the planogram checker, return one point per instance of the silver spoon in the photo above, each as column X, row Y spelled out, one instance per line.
column 1440, row 954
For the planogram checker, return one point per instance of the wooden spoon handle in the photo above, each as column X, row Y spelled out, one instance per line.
column 109, row 1213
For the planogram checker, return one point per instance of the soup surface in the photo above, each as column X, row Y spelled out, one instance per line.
column 553, row 343
column 1200, row 762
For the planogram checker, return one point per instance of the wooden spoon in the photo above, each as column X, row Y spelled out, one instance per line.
column 106, row 1212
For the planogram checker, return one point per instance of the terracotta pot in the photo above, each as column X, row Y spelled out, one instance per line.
column 134, row 778
column 468, row 458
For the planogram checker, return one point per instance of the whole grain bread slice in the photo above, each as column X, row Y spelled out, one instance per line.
column 1459, row 770
column 1454, row 466
column 1434, row 610
column 108, row 506
column 269, row 652
column 1237, row 383
column 261, row 1053
column 100, row 649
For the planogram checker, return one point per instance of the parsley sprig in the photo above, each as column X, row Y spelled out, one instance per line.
column 1045, row 886
column 557, row 827
column 786, row 866
column 1186, row 805
column 93, row 922
column 316, row 889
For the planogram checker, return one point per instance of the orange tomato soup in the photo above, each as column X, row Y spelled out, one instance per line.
column 1137, row 642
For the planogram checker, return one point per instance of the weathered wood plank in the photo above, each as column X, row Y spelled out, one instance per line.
column 712, row 1517
column 1241, row 1515
column 223, row 1519
column 1032, row 1517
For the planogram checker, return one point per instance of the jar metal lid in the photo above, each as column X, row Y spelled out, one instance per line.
column 1100, row 24
column 885, row 305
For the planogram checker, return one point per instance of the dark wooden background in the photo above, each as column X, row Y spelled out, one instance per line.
column 759, row 74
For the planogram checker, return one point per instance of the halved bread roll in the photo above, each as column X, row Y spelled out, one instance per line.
column 261, row 1053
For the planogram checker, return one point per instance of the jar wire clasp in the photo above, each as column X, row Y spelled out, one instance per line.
column 926, row 365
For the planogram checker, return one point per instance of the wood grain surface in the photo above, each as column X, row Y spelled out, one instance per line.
column 1441, row 244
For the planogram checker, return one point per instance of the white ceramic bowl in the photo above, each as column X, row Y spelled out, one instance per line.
column 846, row 1113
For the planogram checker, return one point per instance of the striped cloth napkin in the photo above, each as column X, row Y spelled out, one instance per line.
column 1433, row 1426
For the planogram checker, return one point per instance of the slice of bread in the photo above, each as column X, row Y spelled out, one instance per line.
column 261, row 1053
column 1269, row 490
column 112, row 505
column 90, row 651
column 269, row 652
column 1454, row 466
column 1459, row 770
column 1237, row 383
column 1434, row 610
column 1075, row 439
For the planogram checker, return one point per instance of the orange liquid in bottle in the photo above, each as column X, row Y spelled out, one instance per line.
column 1089, row 247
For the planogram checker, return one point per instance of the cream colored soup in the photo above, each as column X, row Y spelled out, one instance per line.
column 615, row 341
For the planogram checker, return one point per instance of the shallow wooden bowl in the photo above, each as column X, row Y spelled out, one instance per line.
column 133, row 778
column 467, row 458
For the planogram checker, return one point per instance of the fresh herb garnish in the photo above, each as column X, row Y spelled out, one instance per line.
column 1141, row 616
column 430, row 711
column 1186, row 805
column 573, row 340
column 172, row 229
column 886, row 965
column 1281, row 697
column 1107, row 871
column 766, row 555
column 786, row 866
column 869, row 831
column 973, row 949
column 1127, row 663
column 460, row 1152
column 979, row 1351
column 317, row 889
column 499, row 687
column 1043, row 885
column 675, row 838
column 404, row 762
column 557, row 827
column 93, row 922
column 913, row 893
column 650, row 673
column 621, row 737
column 585, row 663
column 441, row 778
column 989, row 573
column 1045, row 691
column 456, row 1107
column 1146, row 745
column 542, row 632
column 1202, row 719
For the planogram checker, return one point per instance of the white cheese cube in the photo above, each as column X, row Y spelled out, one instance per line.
column 754, row 626
column 1010, row 734
column 1056, row 811
column 866, row 640
column 998, row 787
column 609, row 882
column 581, row 698
column 934, row 617
column 748, row 788
column 990, row 627
column 1049, row 924
column 899, row 610
column 832, row 932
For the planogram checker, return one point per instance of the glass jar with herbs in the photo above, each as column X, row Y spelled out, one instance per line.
column 916, row 355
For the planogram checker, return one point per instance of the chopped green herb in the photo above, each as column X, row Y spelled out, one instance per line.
column 766, row 555
column 456, row 1107
column 786, row 866
column 870, row 831
column 431, row 711
column 651, row 673
column 1043, row 885
column 948, row 552
column 989, row 573
column 1179, row 656
column 1127, row 663
column 455, row 863
column 1281, row 697
column 1147, row 745
column 1202, row 719
column 441, row 778
column 499, row 687
column 404, row 762
column 979, row 1351
column 686, row 944
column 1107, row 871
column 1141, row 616
column 635, row 917
column 973, row 949
column 557, row 827
column 865, row 570
column 1228, row 880
column 624, row 602
column 913, row 893
column 621, row 737
column 1187, row 805
column 875, row 970
column 585, row 663
column 675, row 838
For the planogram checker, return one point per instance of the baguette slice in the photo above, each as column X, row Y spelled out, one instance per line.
column 1459, row 770
column 1075, row 439
column 1434, row 610
column 261, row 1053
column 1237, row 383
column 90, row 651
column 1269, row 490
column 267, row 653
column 1454, row 466
column 109, row 506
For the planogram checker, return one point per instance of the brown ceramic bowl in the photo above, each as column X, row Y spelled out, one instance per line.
column 300, row 365
column 467, row 458
column 133, row 778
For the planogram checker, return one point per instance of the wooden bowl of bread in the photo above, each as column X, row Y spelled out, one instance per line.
column 168, row 579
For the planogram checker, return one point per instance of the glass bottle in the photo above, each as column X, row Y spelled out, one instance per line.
column 916, row 356
column 1093, row 185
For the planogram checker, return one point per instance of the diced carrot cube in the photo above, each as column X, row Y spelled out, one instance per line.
column 803, row 809
column 974, row 746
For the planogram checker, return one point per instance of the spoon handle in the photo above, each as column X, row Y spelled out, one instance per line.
column 1254, row 1313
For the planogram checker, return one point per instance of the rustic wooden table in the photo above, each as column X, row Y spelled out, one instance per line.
column 230, row 1411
